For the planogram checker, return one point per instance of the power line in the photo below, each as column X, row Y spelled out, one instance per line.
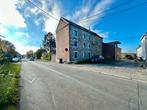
column 43, row 10
column 121, row 11
column 124, row 38
column 122, row 4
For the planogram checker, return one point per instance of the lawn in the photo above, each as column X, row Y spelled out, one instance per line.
column 9, row 86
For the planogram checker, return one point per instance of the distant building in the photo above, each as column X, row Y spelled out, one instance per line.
column 111, row 50
column 142, row 48
column 76, row 43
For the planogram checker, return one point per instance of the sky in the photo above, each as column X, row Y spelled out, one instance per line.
column 24, row 24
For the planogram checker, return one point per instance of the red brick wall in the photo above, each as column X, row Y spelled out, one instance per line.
column 62, row 41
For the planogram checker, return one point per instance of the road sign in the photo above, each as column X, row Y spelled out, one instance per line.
column 66, row 49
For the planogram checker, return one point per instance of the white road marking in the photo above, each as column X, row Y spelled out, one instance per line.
column 53, row 98
column 31, row 81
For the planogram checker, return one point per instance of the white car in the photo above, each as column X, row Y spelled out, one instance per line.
column 15, row 59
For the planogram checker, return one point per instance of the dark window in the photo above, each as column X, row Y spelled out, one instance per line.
column 89, row 54
column 75, row 43
column 84, row 45
column 75, row 54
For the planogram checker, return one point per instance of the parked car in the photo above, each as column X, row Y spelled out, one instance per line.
column 97, row 59
column 32, row 59
column 15, row 59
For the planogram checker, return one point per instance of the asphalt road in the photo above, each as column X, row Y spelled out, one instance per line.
column 50, row 86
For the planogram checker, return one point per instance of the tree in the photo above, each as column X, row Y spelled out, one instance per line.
column 6, row 46
column 30, row 53
column 7, row 50
column 49, row 43
column 39, row 53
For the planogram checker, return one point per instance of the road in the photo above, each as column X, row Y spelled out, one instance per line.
column 50, row 86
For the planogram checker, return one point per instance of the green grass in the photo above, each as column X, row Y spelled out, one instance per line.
column 9, row 86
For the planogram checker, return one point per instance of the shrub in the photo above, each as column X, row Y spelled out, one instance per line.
column 129, row 57
column 83, row 62
column 39, row 53
column 9, row 86
column 46, row 56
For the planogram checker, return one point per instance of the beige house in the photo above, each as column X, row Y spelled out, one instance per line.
column 76, row 43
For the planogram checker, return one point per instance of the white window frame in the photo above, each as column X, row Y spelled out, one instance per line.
column 89, row 46
column 83, row 54
column 84, row 35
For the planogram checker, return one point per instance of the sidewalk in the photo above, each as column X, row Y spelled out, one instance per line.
column 131, row 73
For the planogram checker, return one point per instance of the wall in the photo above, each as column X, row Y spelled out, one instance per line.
column 62, row 41
column 108, row 51
column 94, row 41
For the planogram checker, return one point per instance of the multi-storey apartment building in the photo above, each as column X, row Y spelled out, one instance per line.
column 76, row 43
column 142, row 49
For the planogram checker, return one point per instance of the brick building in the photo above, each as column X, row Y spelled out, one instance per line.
column 76, row 43
column 111, row 50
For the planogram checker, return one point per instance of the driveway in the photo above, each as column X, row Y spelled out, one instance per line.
column 50, row 86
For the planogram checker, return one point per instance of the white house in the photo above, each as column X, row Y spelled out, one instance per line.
column 142, row 49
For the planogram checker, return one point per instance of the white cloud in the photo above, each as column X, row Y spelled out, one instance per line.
column 3, row 30
column 99, row 7
column 23, row 35
column 101, row 33
column 9, row 15
column 51, row 23
column 23, row 48
column 19, row 39
column 49, row 6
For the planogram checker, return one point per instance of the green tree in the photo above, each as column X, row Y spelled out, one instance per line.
column 39, row 53
column 30, row 53
column 49, row 43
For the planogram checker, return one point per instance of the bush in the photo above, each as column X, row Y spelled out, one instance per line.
column 9, row 86
column 46, row 56
column 83, row 62
column 129, row 57
column 39, row 53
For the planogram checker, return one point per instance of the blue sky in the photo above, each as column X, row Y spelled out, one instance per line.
column 25, row 25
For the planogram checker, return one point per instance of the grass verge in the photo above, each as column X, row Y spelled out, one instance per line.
column 9, row 86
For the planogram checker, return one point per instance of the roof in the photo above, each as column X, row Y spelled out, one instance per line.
column 145, row 35
column 78, row 26
column 114, row 42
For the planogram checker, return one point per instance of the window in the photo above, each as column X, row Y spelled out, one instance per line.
column 84, row 45
column 83, row 54
column 75, row 43
column 84, row 35
column 74, row 33
column 88, row 37
column 75, row 54
column 89, row 46
column 88, row 54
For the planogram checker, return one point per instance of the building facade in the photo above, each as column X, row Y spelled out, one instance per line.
column 142, row 49
column 111, row 50
column 75, row 43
